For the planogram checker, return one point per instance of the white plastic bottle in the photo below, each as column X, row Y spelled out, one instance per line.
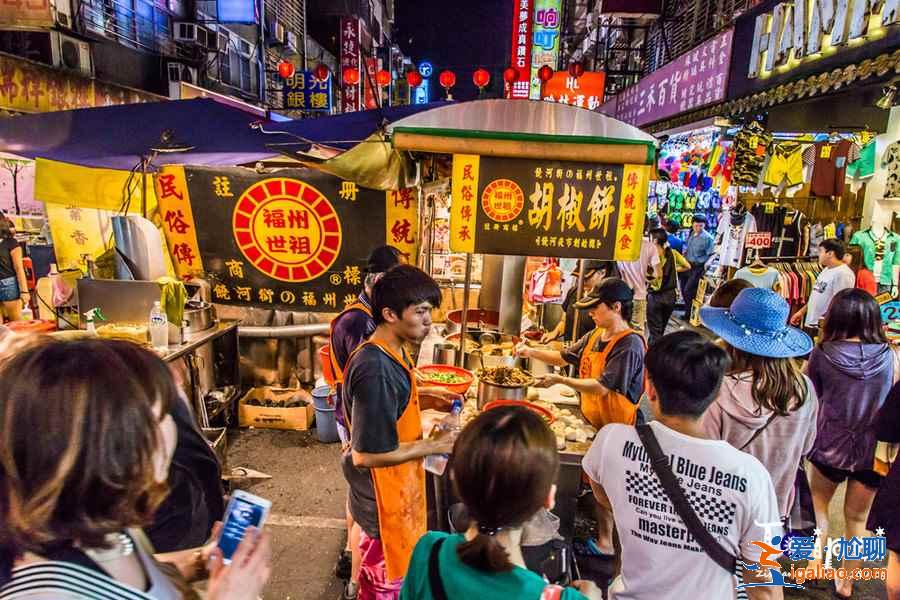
column 159, row 328
column 437, row 463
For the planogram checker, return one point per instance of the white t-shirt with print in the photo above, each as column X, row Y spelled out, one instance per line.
column 634, row 272
column 730, row 491
column 829, row 282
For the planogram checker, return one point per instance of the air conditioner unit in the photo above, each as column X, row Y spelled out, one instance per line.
column 191, row 33
column 222, row 42
column 291, row 42
column 179, row 73
column 62, row 11
column 71, row 53
column 278, row 32
column 203, row 37
column 245, row 48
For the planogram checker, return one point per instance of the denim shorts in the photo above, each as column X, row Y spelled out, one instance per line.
column 9, row 289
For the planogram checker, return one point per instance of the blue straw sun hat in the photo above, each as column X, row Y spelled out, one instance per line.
column 757, row 324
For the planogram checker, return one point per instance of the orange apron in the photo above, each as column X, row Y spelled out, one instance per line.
column 611, row 407
column 335, row 367
column 400, row 490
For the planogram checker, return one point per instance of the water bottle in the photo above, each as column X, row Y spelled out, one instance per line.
column 437, row 463
column 159, row 328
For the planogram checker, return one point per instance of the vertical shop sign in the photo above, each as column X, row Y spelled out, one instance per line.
column 371, row 87
column 178, row 221
column 547, row 208
column 25, row 14
column 692, row 80
column 545, row 40
column 585, row 91
column 403, row 222
column 350, row 58
column 520, row 56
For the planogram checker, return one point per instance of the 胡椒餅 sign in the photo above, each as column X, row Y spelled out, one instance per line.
column 547, row 207
column 297, row 238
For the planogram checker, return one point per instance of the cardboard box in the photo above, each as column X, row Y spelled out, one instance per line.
column 265, row 417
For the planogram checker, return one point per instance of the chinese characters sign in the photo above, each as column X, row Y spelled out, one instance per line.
column 403, row 222
column 692, row 80
column 350, row 58
column 520, row 57
column 297, row 238
column 547, row 208
column 585, row 91
column 25, row 14
column 304, row 91
column 545, row 40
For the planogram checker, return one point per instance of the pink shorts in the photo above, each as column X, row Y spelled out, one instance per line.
column 373, row 580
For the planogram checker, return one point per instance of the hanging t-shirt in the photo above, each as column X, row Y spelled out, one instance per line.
column 829, row 282
column 766, row 278
column 789, row 243
column 730, row 491
column 829, row 166
column 750, row 147
column 864, row 166
column 891, row 160
column 730, row 239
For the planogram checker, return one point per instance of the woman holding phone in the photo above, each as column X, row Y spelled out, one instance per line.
column 84, row 456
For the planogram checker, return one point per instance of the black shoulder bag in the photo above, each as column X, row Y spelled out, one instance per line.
column 434, row 574
column 660, row 464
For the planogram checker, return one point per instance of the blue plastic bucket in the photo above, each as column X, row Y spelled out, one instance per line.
column 326, row 423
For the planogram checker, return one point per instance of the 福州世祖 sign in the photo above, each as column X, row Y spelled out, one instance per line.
column 297, row 238
column 547, row 208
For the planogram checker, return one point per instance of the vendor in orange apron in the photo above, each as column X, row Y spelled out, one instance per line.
column 609, row 360
column 384, row 465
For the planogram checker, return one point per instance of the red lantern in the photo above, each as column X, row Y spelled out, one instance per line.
column 413, row 78
column 511, row 75
column 321, row 72
column 545, row 73
column 447, row 79
column 351, row 75
column 576, row 69
column 286, row 69
column 383, row 78
column 481, row 78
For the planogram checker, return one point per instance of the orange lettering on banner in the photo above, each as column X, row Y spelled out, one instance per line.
column 178, row 221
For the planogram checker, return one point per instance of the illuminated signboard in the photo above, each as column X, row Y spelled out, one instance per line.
column 236, row 11
column 545, row 40
column 520, row 56
column 585, row 91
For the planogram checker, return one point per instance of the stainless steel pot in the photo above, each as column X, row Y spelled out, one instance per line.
column 474, row 361
column 445, row 354
column 198, row 316
column 488, row 392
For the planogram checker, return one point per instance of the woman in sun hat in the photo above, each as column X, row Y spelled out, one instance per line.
column 766, row 406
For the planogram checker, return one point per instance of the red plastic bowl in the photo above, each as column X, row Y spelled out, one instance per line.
column 548, row 416
column 458, row 388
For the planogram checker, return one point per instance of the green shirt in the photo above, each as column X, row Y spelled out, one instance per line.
column 864, row 166
column 890, row 245
column 462, row 582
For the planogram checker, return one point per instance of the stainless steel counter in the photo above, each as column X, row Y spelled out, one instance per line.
column 198, row 339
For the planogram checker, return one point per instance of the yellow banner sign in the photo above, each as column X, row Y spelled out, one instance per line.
column 178, row 221
column 402, row 222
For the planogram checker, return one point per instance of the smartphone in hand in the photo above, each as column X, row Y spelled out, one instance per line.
column 244, row 510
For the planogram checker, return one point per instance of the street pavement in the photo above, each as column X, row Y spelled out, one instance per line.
column 307, row 520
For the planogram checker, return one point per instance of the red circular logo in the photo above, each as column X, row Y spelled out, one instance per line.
column 287, row 229
column 502, row 200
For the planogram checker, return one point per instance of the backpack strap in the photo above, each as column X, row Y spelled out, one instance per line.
column 434, row 575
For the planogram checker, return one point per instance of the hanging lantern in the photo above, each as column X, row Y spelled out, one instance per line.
column 545, row 73
column 576, row 69
column 481, row 78
column 511, row 75
column 413, row 78
column 383, row 78
column 447, row 79
column 321, row 72
column 351, row 75
column 286, row 69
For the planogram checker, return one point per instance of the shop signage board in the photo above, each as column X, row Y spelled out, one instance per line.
column 758, row 240
column 350, row 58
column 236, row 11
column 297, row 238
column 585, row 91
column 693, row 80
column 371, row 87
column 545, row 34
column 520, row 56
column 303, row 91
column 26, row 14
column 547, row 207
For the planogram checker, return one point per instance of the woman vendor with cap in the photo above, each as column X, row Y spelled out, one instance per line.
column 594, row 272
column 610, row 359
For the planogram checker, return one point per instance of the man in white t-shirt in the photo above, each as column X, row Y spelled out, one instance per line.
column 729, row 490
column 835, row 276
column 635, row 274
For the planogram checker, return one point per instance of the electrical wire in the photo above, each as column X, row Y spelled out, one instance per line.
column 53, row 310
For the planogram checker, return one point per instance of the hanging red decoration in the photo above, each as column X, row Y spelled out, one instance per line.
column 511, row 75
column 545, row 73
column 321, row 72
column 351, row 75
column 383, row 78
column 576, row 69
column 447, row 79
column 481, row 78
column 286, row 69
column 413, row 78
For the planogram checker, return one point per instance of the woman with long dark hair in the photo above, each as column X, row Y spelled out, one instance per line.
column 504, row 467
column 852, row 369
column 13, row 284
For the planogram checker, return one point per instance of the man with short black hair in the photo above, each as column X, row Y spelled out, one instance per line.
column 384, row 463
column 835, row 276
column 730, row 491
column 697, row 249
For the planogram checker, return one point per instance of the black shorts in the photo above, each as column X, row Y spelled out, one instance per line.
column 868, row 478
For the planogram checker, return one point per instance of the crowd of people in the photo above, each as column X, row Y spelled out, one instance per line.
column 107, row 489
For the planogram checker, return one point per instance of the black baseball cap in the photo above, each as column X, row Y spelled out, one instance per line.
column 608, row 291
column 593, row 265
column 383, row 258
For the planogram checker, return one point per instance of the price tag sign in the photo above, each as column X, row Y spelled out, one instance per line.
column 759, row 240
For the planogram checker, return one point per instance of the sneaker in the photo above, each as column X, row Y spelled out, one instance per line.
column 351, row 590
column 344, row 566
